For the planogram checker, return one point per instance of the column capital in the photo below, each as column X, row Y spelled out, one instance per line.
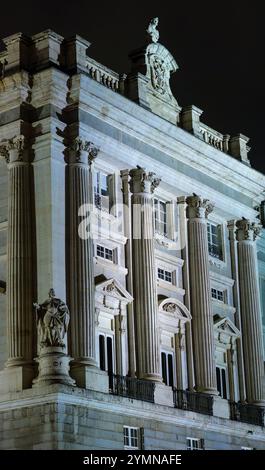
column 143, row 181
column 83, row 151
column 197, row 207
column 246, row 230
column 12, row 149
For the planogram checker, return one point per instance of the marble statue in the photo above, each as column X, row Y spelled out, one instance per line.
column 52, row 320
column 152, row 31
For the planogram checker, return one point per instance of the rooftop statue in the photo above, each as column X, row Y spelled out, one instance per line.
column 152, row 31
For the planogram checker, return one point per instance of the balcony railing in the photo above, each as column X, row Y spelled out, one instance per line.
column 245, row 413
column 193, row 401
column 132, row 388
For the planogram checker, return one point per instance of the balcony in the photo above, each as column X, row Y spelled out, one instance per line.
column 132, row 388
column 245, row 413
column 193, row 401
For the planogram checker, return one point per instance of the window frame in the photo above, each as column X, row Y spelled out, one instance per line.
column 164, row 272
column 222, row 375
column 106, row 359
column 192, row 441
column 215, row 248
column 130, row 437
column 218, row 292
column 167, row 354
column 104, row 251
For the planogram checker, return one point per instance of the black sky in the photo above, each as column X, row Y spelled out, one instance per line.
column 219, row 47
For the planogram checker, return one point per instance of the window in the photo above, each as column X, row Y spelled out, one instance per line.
column 167, row 368
column 217, row 294
column 221, row 382
column 104, row 252
column 131, row 437
column 195, row 444
column 214, row 233
column 164, row 275
column 101, row 191
column 106, row 353
column 160, row 217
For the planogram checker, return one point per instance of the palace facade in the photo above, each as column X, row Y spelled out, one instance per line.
column 132, row 259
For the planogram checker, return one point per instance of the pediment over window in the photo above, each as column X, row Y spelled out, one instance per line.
column 110, row 293
column 174, row 308
column 225, row 330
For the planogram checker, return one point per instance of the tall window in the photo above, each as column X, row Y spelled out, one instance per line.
column 101, row 191
column 214, row 233
column 195, row 444
column 106, row 353
column 167, row 368
column 221, row 382
column 160, row 217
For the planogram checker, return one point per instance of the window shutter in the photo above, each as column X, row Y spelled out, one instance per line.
column 141, row 438
column 170, row 219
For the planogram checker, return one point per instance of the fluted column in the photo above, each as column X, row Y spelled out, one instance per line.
column 19, row 256
column 201, row 307
column 142, row 185
column 250, row 310
column 81, row 270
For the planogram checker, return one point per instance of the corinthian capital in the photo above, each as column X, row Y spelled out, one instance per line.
column 246, row 230
column 14, row 146
column 198, row 208
column 143, row 181
column 80, row 146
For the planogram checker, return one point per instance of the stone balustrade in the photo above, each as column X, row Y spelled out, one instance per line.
column 214, row 138
column 103, row 75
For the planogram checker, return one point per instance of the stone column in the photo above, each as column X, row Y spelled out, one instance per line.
column 236, row 296
column 81, row 268
column 142, row 186
column 201, row 307
column 250, row 310
column 19, row 265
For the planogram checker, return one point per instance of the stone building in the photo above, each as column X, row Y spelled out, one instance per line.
column 130, row 296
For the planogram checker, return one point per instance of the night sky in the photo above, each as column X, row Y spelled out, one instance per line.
column 219, row 47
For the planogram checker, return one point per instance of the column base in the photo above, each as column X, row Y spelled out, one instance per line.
column 90, row 377
column 53, row 367
column 208, row 391
column 260, row 403
column 16, row 378
column 152, row 377
column 221, row 407
column 163, row 395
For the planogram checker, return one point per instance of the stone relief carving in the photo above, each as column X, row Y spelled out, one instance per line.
column 52, row 321
column 170, row 308
column 152, row 31
column 158, row 74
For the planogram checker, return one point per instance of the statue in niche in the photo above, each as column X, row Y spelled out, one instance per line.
column 52, row 321
column 152, row 31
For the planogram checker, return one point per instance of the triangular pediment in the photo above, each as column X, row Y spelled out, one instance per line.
column 225, row 325
column 112, row 288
